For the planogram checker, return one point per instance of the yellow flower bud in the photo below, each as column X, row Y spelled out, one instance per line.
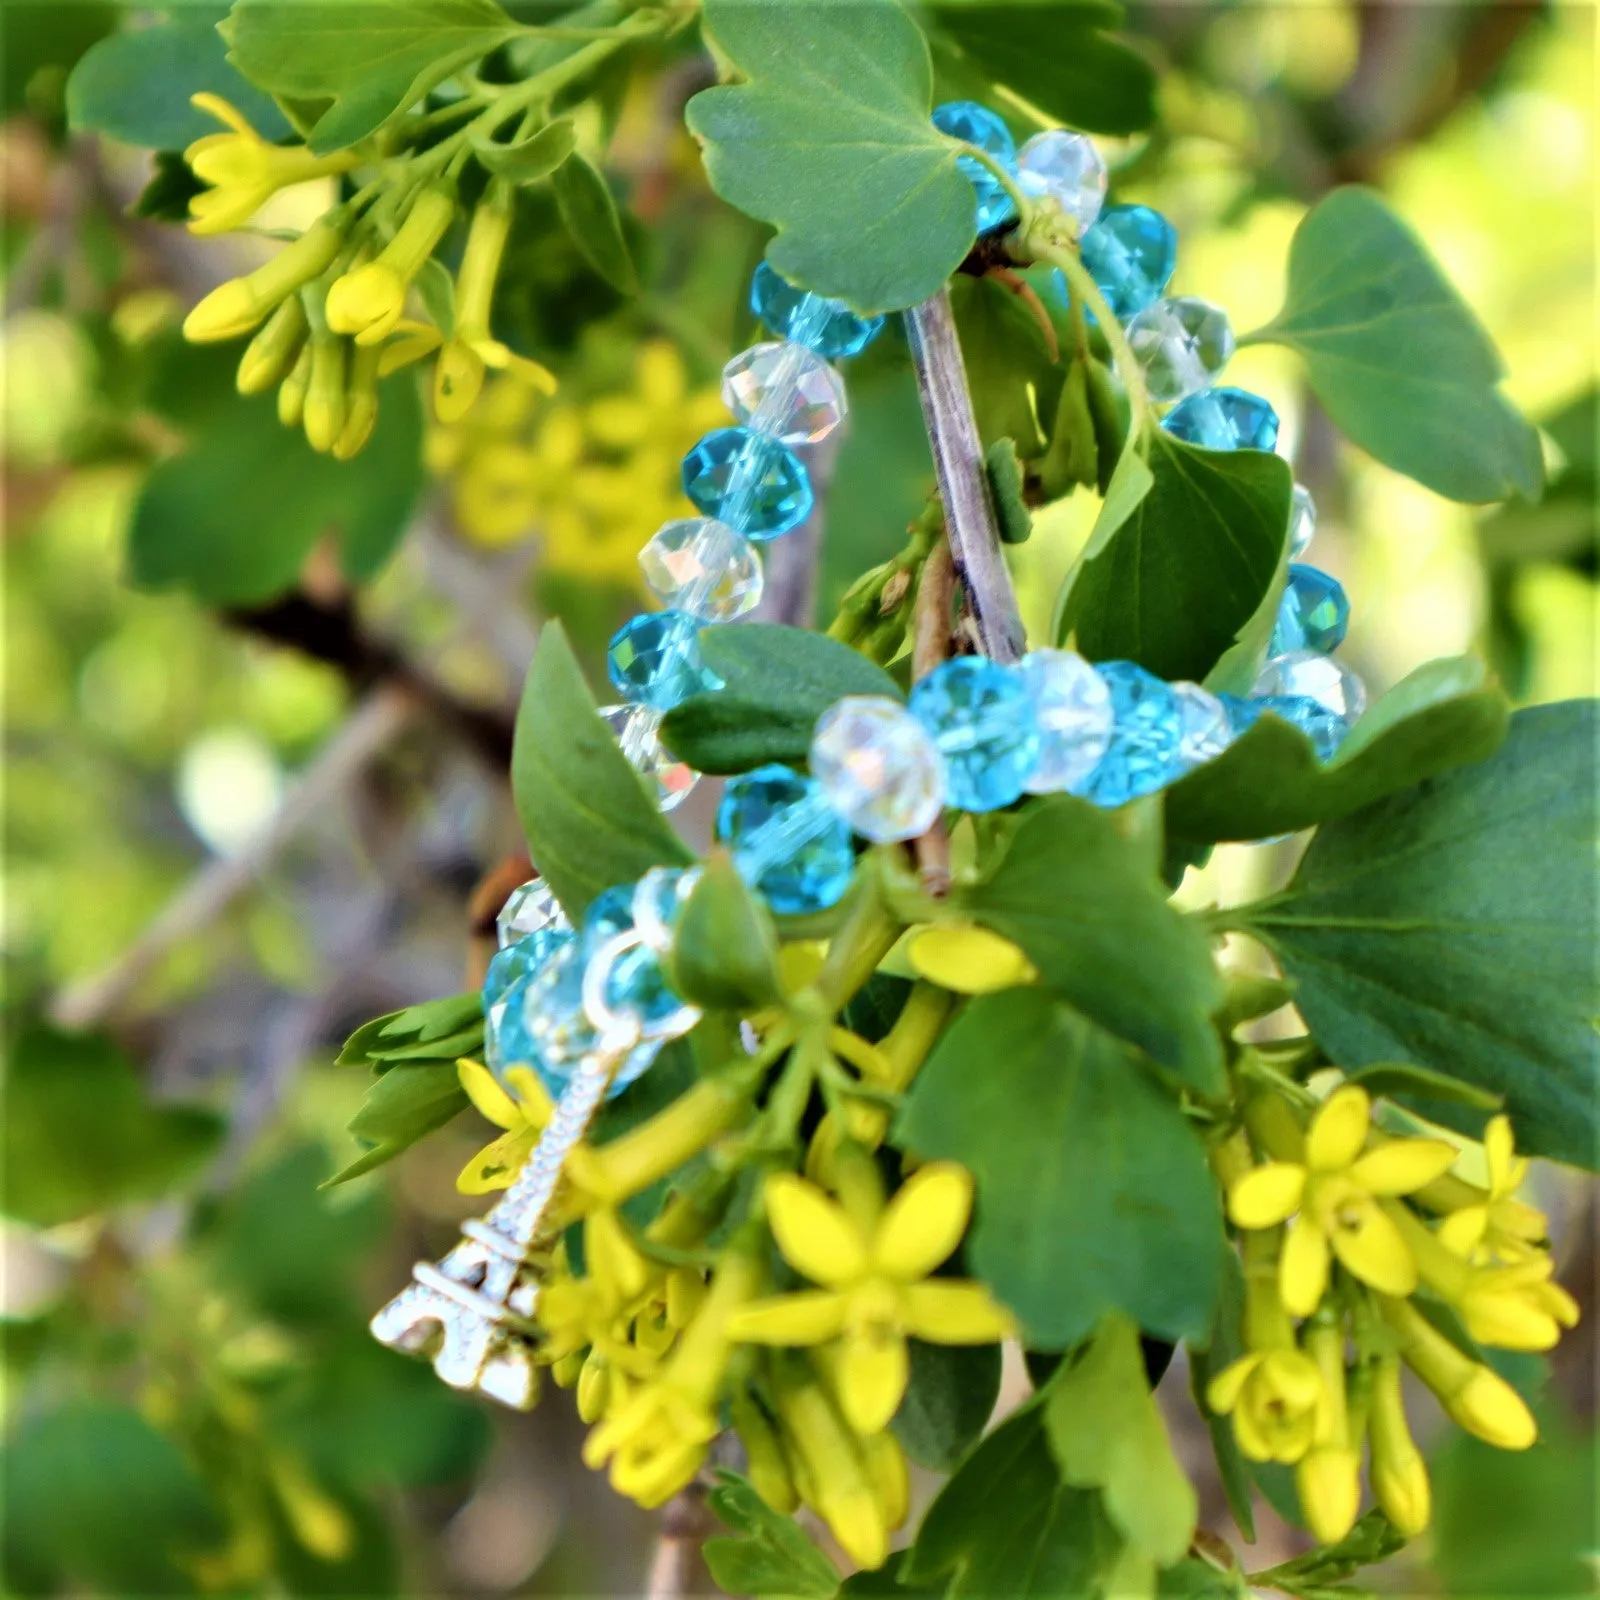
column 1329, row 1483
column 768, row 1466
column 1399, row 1475
column 594, row 1387
column 270, row 355
column 242, row 303
column 368, row 301
column 361, row 404
column 891, row 1477
column 292, row 391
column 324, row 418
column 568, row 1369
column 319, row 1522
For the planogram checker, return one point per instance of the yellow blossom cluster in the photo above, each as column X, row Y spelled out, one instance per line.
column 1375, row 1241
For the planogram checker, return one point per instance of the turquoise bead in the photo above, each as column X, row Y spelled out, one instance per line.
column 1241, row 713
column 559, row 1028
column 1224, row 419
column 1130, row 253
column 827, row 326
column 982, row 718
column 508, row 1038
column 1324, row 728
column 974, row 124
column 654, row 659
column 1146, row 749
column 787, row 841
column 752, row 483
column 1313, row 614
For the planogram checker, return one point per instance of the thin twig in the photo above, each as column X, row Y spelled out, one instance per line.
column 675, row 1566
column 216, row 885
column 973, row 533
column 930, row 644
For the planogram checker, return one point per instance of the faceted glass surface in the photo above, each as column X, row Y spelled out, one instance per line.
column 549, row 1015
column 827, row 326
column 785, row 391
column 1224, row 419
column 1207, row 730
column 788, row 842
column 1241, row 713
column 982, row 719
column 1072, row 707
column 879, row 768
column 1182, row 343
column 508, row 1039
column 1066, row 168
column 529, row 907
column 1324, row 728
column 1130, row 253
column 654, row 659
column 1317, row 677
column 974, row 124
column 1313, row 614
column 518, row 961
column 1302, row 521
column 1145, row 752
column 635, row 729
column 700, row 565
column 750, row 482
column 659, row 899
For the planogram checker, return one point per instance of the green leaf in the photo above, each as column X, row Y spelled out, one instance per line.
column 1170, row 581
column 776, row 682
column 829, row 139
column 1006, row 1524
column 135, row 86
column 434, row 1019
column 1106, row 1432
column 373, row 58
column 80, row 1134
column 590, row 214
column 95, row 1496
column 589, row 820
column 1397, row 357
column 166, row 197
column 1269, row 781
column 404, row 1105
column 1004, row 470
column 1084, row 903
column 1223, row 1345
column 773, row 1557
column 1453, row 925
column 1053, row 53
column 1394, row 1078
column 1373, row 1539
column 948, row 1402
column 44, row 40
column 1093, row 1191
column 1010, row 375
column 232, row 519
column 724, row 946
column 531, row 156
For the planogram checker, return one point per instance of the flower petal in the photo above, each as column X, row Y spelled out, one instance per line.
column 504, row 359
column 815, row 1235
column 1403, row 1165
column 1499, row 1149
column 1303, row 1270
column 215, row 106
column 414, row 341
column 1222, row 1393
column 924, row 1221
column 1267, row 1195
column 1339, row 1129
column 955, row 1311
column 496, row 1164
column 968, row 959
column 871, row 1373
column 812, row 1316
column 1462, row 1231
column 1373, row 1248
column 534, row 1105
column 484, row 1091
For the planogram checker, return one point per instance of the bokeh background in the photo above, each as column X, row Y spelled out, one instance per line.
column 232, row 835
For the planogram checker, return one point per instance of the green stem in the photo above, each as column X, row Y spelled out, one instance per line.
column 1084, row 288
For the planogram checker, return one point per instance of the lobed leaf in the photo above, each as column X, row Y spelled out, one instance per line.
column 406, row 1104
column 771, row 1556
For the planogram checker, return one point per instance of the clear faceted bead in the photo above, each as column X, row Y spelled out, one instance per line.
column 1317, row 677
column 750, row 482
column 1314, row 613
column 529, row 908
column 658, row 900
column 827, row 326
column 1224, row 419
column 1072, row 708
column 1182, row 343
column 1145, row 752
column 975, row 124
column 1207, row 729
column 878, row 767
column 1324, row 728
column 1130, row 253
column 1302, row 521
column 787, row 841
column 982, row 719
column 637, row 730
column 654, row 659
column 703, row 567
column 785, row 391
column 1066, row 168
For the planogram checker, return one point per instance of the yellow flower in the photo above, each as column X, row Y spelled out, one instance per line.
column 768, row 1463
column 1335, row 1192
column 659, row 411
column 968, row 959
column 269, row 356
column 367, row 302
column 1277, row 1401
column 1328, row 1476
column 523, row 1117
column 876, row 1285
column 245, row 170
column 240, row 304
column 1497, row 1225
column 1399, row 1474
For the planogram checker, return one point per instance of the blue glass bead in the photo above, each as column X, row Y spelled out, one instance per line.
column 1313, row 615
column 787, row 841
column 974, row 124
column 518, row 961
column 1241, row 713
column 879, row 767
column 1146, row 738
column 1224, row 419
column 1324, row 728
column 1072, row 707
column 637, row 982
column 658, row 902
column 1310, row 673
column 750, row 482
column 982, row 719
column 508, row 1040
column 827, row 326
column 550, row 1015
column 1130, row 253
column 655, row 660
